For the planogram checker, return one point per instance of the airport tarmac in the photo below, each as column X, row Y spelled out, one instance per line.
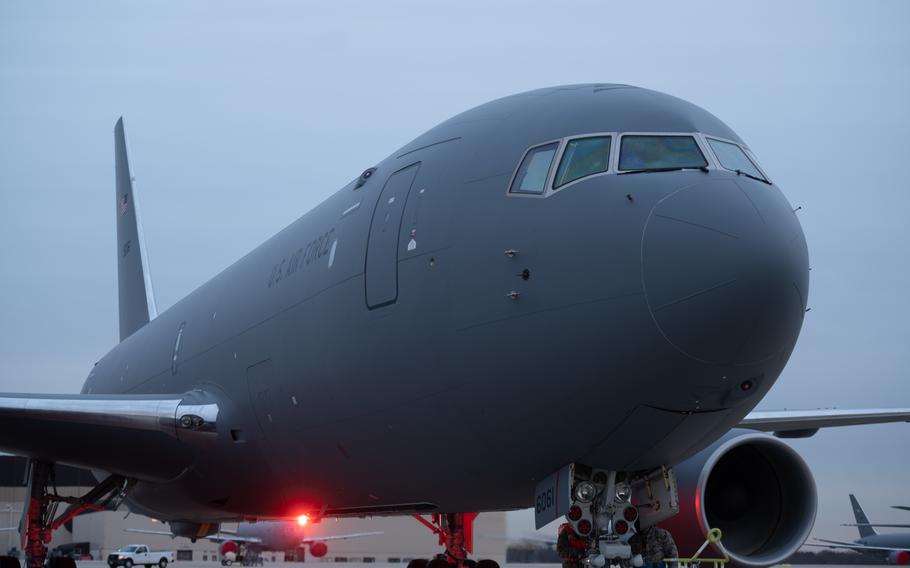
column 201, row 564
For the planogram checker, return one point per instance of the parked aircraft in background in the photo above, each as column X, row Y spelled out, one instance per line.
column 602, row 259
column 894, row 547
column 251, row 539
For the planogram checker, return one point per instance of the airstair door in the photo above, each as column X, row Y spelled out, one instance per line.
column 381, row 278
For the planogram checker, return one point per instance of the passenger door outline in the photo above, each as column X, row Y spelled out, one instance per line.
column 381, row 264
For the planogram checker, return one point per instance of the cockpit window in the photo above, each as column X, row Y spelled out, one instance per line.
column 733, row 158
column 534, row 169
column 583, row 157
column 656, row 152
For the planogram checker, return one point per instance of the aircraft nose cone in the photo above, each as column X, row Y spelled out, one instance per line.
column 725, row 271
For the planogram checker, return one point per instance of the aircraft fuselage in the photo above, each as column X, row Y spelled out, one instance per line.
column 429, row 341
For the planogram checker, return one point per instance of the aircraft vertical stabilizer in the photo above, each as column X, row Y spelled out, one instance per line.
column 137, row 301
column 861, row 520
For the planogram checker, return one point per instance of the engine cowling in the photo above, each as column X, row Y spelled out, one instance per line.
column 318, row 549
column 756, row 489
column 192, row 530
column 899, row 557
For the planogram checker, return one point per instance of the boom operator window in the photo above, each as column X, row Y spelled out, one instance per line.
column 732, row 158
column 534, row 169
column 583, row 157
column 659, row 152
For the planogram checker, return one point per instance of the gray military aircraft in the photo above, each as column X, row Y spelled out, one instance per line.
column 571, row 298
column 895, row 547
column 249, row 540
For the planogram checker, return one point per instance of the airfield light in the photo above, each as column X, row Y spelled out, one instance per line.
column 584, row 527
column 302, row 520
column 574, row 513
column 621, row 527
column 630, row 514
column 585, row 491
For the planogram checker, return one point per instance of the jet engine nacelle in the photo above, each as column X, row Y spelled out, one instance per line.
column 755, row 488
column 899, row 557
column 318, row 549
column 192, row 530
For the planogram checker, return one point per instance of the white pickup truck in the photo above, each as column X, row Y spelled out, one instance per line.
column 134, row 554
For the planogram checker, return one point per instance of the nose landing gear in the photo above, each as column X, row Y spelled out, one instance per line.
column 456, row 534
column 603, row 510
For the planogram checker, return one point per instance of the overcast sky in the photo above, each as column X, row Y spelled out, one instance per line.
column 243, row 116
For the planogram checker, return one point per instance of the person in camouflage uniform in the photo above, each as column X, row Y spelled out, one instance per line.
column 654, row 544
column 570, row 546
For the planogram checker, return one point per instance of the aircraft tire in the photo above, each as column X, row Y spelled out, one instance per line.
column 9, row 562
column 415, row 563
column 487, row 563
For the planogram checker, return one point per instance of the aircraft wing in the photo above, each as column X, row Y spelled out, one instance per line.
column 902, row 507
column 891, row 526
column 805, row 423
column 149, row 437
column 223, row 537
column 310, row 539
column 853, row 546
column 218, row 537
column 148, row 531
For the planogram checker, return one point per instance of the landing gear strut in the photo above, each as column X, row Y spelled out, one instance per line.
column 40, row 512
column 456, row 534
column 604, row 508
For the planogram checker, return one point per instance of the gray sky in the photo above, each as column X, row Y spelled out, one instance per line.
column 242, row 116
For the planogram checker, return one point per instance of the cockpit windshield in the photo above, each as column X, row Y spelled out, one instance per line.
column 583, row 157
column 659, row 152
column 733, row 158
column 534, row 169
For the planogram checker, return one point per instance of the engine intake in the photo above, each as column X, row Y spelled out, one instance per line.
column 756, row 489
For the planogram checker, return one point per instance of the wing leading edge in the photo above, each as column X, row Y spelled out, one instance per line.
column 805, row 423
column 309, row 539
column 94, row 431
column 853, row 546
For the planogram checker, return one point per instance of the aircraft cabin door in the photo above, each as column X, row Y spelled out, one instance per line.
column 381, row 278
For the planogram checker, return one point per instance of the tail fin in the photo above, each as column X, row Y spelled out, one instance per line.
column 137, row 301
column 861, row 520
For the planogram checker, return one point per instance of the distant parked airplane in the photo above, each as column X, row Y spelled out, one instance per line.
column 895, row 547
column 255, row 538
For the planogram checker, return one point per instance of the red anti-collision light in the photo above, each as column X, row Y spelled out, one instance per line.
column 630, row 514
column 574, row 513
column 621, row 527
column 584, row 526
